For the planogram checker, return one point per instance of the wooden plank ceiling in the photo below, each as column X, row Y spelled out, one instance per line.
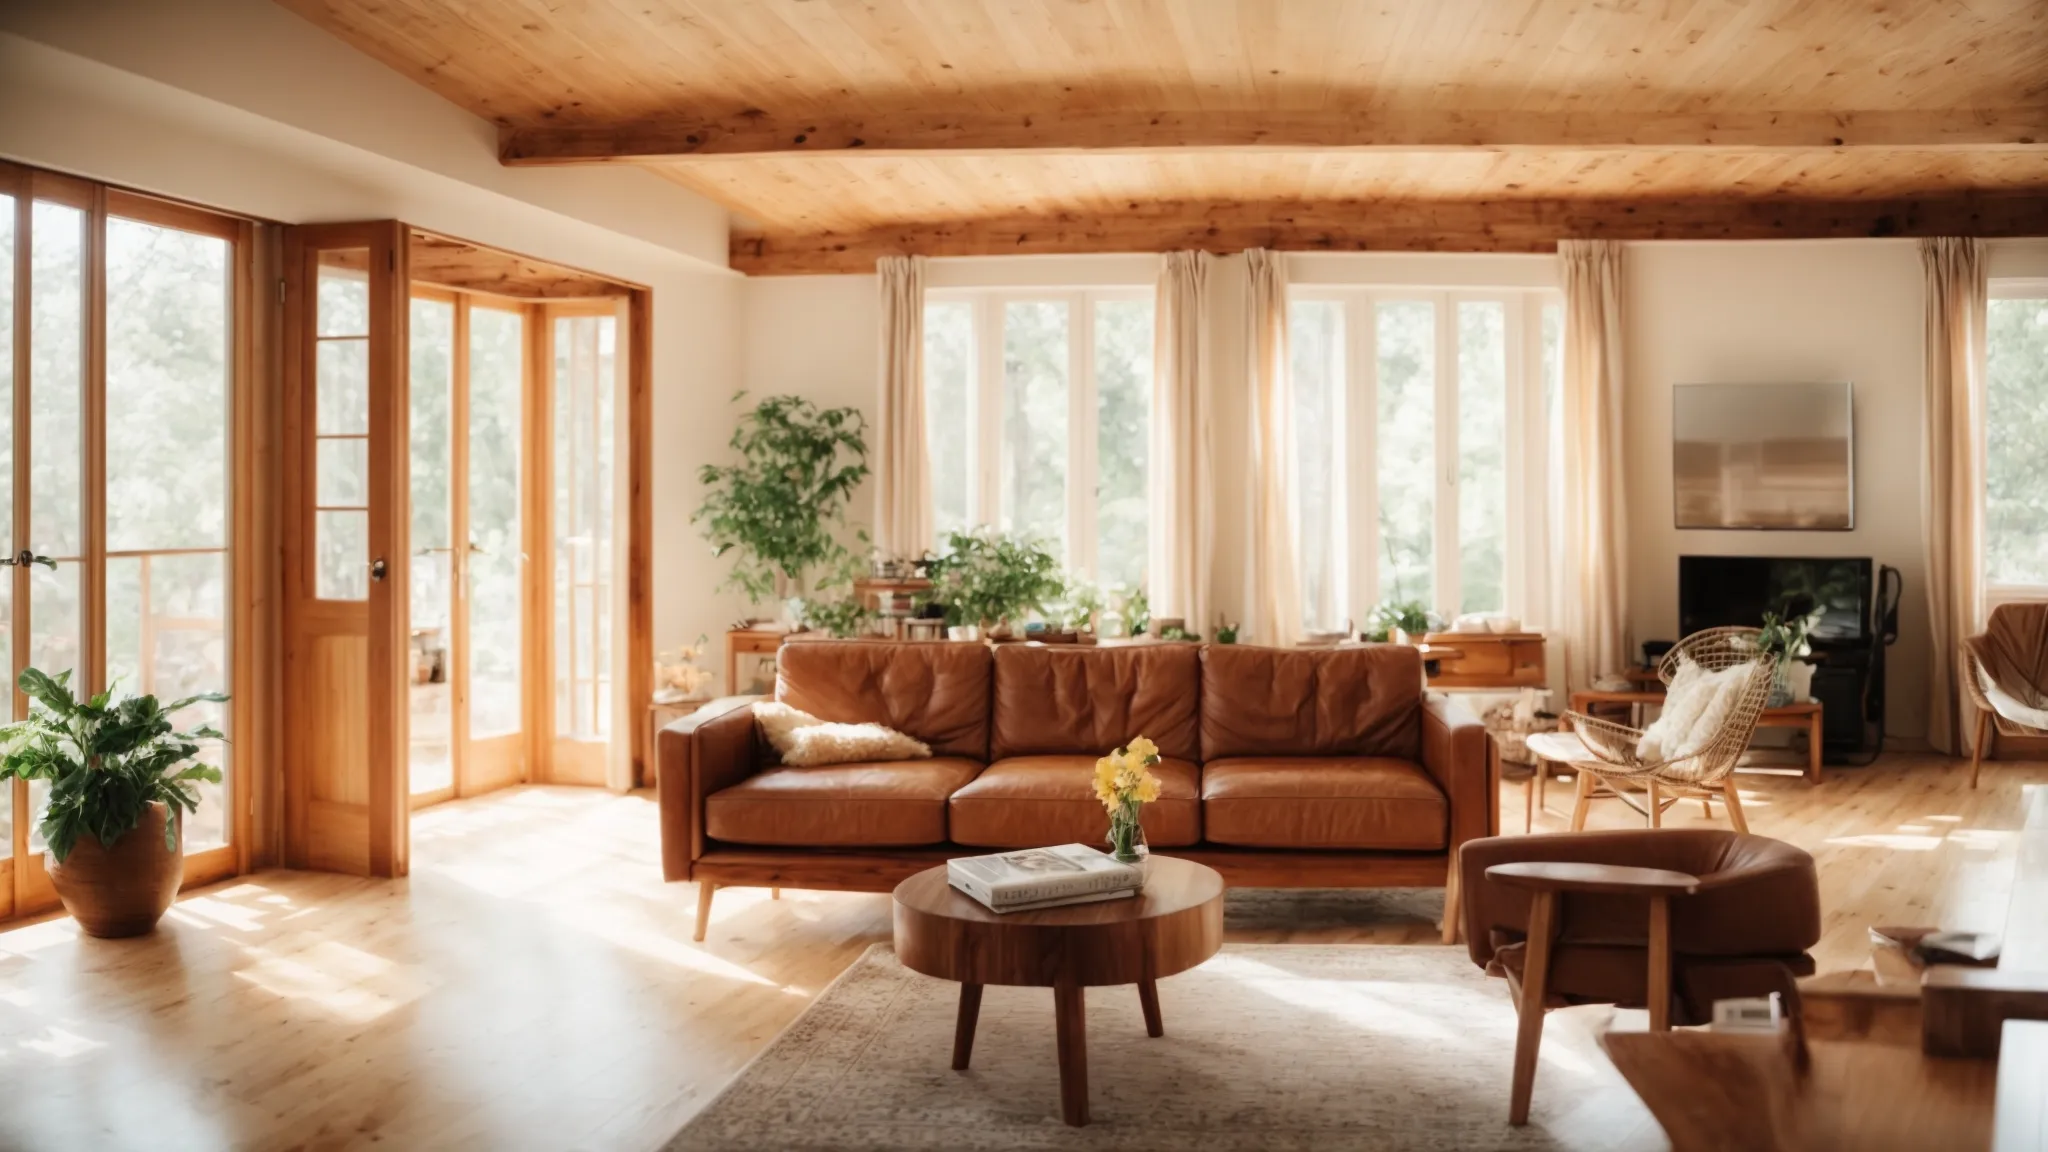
column 840, row 130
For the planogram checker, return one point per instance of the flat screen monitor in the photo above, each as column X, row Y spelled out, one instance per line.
column 1763, row 456
column 1714, row 591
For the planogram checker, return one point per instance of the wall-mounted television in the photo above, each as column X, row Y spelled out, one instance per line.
column 1763, row 456
column 1714, row 591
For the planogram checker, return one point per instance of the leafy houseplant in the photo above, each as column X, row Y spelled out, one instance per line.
column 1785, row 639
column 778, row 509
column 988, row 578
column 119, row 776
column 1408, row 617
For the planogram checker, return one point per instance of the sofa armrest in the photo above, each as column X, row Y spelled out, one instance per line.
column 699, row 754
column 1454, row 753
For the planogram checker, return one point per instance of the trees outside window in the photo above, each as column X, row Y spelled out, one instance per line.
column 2016, row 438
column 1037, row 421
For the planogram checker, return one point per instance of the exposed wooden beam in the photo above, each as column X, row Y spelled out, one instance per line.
column 924, row 132
column 474, row 268
column 1417, row 226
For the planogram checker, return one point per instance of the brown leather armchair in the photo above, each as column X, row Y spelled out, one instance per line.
column 1670, row 919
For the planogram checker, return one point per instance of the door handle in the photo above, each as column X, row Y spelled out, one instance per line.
column 378, row 569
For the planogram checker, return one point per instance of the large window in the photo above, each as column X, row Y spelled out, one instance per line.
column 1037, row 414
column 1409, row 486
column 2016, row 439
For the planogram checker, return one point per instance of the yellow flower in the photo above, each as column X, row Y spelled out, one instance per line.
column 1106, row 771
column 1143, row 751
column 1148, row 789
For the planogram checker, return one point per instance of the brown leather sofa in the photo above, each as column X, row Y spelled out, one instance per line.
column 1290, row 768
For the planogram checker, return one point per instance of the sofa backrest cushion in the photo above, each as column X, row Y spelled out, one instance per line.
column 934, row 691
column 1364, row 701
column 1053, row 699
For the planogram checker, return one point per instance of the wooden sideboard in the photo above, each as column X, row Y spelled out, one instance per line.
column 1500, row 660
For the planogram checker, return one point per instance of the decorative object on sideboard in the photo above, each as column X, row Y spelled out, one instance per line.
column 677, row 678
column 1784, row 639
column 121, row 776
column 1226, row 630
column 780, row 509
column 1400, row 622
column 989, row 580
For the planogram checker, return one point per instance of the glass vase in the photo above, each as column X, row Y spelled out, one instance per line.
column 1127, row 840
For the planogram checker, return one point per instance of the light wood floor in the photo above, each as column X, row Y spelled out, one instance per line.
column 533, row 986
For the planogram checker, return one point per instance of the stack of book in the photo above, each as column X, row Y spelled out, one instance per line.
column 1043, row 878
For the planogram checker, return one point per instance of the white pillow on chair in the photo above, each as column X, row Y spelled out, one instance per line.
column 1723, row 690
column 1684, row 700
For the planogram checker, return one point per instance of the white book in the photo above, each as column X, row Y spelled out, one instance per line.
column 1060, row 901
column 1006, row 879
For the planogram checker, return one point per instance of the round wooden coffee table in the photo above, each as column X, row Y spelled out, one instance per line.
column 1171, row 926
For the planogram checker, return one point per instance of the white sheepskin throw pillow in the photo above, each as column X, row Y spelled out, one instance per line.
column 1723, row 690
column 1683, row 702
column 804, row 741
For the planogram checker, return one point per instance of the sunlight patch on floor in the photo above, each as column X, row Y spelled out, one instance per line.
column 341, row 981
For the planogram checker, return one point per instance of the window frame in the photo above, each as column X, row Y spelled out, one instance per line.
column 985, row 405
column 1995, row 593
column 1527, row 459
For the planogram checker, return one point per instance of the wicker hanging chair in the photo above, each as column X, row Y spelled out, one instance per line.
column 1603, row 752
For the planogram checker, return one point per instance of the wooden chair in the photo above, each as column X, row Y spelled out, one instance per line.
column 2005, row 669
column 1603, row 753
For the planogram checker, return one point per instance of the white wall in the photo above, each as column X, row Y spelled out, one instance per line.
column 1758, row 313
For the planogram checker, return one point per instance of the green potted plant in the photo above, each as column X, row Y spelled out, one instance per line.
column 988, row 580
column 1784, row 638
column 120, row 775
column 779, row 510
column 1400, row 622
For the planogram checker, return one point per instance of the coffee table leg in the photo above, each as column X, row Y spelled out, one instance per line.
column 1071, row 1023
column 963, row 1025
column 1148, row 999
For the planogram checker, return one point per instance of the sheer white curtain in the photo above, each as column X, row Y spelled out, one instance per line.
column 1181, row 488
column 1952, row 477
column 1593, row 588
column 903, row 497
column 1274, row 596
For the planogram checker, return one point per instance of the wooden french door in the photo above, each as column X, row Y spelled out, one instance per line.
column 347, row 658
column 472, row 365
column 124, row 347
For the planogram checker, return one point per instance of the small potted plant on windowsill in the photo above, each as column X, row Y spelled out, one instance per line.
column 987, row 581
column 1406, row 622
column 120, row 776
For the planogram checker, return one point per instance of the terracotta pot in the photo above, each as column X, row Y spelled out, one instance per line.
column 123, row 890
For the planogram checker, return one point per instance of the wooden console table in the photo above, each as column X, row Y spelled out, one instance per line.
column 1805, row 714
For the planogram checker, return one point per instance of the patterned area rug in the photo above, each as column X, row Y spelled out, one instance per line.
column 1268, row 1047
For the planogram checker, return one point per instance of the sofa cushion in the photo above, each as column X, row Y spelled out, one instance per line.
column 1033, row 801
column 934, row 692
column 1066, row 699
column 1364, row 701
column 1371, row 802
column 886, row 804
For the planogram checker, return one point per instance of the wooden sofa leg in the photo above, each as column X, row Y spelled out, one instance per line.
column 1451, row 901
column 704, row 890
column 1977, row 746
column 775, row 893
column 1535, row 990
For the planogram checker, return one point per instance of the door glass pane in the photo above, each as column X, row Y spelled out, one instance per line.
column 583, row 387
column 1407, row 450
column 1034, row 453
column 1123, row 415
column 1315, row 351
column 2016, row 443
column 949, row 431
column 167, row 388
column 57, row 351
column 1482, row 454
column 432, row 470
column 341, row 418
column 167, row 637
column 341, row 547
column 168, row 355
column 55, row 640
column 496, row 354
column 7, row 211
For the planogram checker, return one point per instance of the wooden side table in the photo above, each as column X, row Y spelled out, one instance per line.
column 1805, row 714
column 743, row 641
column 1171, row 926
